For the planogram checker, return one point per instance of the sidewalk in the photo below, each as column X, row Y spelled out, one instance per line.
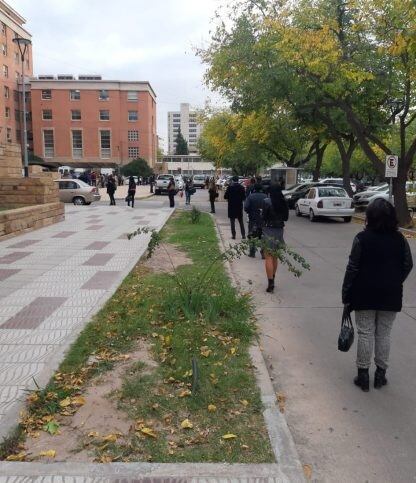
column 53, row 281
column 142, row 192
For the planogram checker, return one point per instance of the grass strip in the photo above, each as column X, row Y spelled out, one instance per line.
column 201, row 402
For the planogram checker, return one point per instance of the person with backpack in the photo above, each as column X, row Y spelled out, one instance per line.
column 189, row 190
column 171, row 192
column 253, row 207
column 131, row 193
column 379, row 263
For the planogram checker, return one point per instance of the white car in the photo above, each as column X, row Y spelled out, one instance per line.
column 179, row 182
column 363, row 199
column 338, row 182
column 331, row 201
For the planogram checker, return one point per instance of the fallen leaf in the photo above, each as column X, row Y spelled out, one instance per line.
column 51, row 427
column 212, row 408
column 51, row 453
column 148, row 432
column 186, row 424
column 65, row 402
column 244, row 402
column 281, row 400
column 229, row 436
column 307, row 470
column 110, row 438
column 205, row 351
column 185, row 393
column 93, row 434
column 16, row 457
column 244, row 446
column 78, row 401
column 233, row 350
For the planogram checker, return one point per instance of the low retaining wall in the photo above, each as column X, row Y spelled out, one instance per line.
column 21, row 220
column 27, row 191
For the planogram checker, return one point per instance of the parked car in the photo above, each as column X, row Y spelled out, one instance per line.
column 199, row 180
column 162, row 181
column 297, row 192
column 329, row 201
column 179, row 182
column 77, row 192
column 363, row 199
column 338, row 182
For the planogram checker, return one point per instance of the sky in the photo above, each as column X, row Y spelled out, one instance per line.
column 146, row 40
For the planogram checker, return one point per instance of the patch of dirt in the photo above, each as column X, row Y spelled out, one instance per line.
column 97, row 418
column 167, row 258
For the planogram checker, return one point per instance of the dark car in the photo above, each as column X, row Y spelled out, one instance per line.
column 297, row 192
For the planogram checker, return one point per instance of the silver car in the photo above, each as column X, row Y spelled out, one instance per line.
column 77, row 192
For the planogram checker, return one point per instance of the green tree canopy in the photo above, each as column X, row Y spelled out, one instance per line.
column 137, row 167
column 181, row 144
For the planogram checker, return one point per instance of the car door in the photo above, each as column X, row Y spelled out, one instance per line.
column 309, row 200
column 64, row 191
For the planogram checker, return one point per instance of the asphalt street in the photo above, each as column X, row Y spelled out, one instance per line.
column 346, row 435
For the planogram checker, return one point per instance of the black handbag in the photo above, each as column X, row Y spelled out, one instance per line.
column 346, row 336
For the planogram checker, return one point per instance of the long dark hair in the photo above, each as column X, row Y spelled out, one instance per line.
column 381, row 216
column 278, row 201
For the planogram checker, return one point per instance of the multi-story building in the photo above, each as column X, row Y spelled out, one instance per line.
column 92, row 122
column 186, row 121
column 11, row 26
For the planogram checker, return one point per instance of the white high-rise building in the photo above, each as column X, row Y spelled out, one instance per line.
column 186, row 121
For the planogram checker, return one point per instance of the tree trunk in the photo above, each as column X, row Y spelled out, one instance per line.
column 400, row 200
column 320, row 151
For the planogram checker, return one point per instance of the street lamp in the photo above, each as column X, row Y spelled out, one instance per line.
column 23, row 46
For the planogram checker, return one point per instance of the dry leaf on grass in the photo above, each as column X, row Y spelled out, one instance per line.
column 17, row 457
column 281, row 400
column 51, row 453
column 229, row 436
column 307, row 470
column 212, row 408
column 186, row 424
column 148, row 432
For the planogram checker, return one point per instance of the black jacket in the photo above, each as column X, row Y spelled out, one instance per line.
column 111, row 186
column 253, row 206
column 272, row 218
column 379, row 263
column 235, row 194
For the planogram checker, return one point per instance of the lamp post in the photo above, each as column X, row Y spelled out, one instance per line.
column 23, row 46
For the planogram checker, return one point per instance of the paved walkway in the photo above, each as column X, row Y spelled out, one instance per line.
column 121, row 193
column 53, row 280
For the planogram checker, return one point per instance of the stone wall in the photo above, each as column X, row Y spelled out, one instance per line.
column 18, row 192
column 21, row 220
column 10, row 161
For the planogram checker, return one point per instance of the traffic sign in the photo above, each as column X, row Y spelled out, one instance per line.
column 392, row 164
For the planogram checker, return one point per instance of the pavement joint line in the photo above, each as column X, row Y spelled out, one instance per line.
column 281, row 438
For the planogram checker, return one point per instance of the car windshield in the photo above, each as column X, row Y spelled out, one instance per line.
column 164, row 176
column 199, row 177
column 83, row 184
column 332, row 192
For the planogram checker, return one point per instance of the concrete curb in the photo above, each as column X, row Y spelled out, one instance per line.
column 281, row 439
column 12, row 415
column 403, row 230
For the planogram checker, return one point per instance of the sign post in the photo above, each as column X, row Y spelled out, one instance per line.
column 392, row 165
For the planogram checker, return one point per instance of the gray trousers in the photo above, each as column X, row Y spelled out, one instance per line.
column 373, row 328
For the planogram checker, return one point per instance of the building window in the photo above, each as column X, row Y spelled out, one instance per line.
column 133, row 152
column 133, row 116
column 104, row 115
column 47, row 114
column 132, row 96
column 176, row 115
column 105, row 144
column 7, row 112
column 133, row 136
column 18, row 135
column 46, row 94
column 4, row 49
column 5, row 71
column 77, row 144
column 48, row 143
column 6, row 92
column 75, row 95
column 17, row 76
column 103, row 95
column 3, row 28
column 17, row 115
column 76, row 115
column 9, row 135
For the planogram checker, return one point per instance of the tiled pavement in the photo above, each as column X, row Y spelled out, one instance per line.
column 52, row 281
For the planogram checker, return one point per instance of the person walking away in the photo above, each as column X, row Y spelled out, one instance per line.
column 131, row 192
column 379, row 263
column 250, row 187
column 253, row 207
column 189, row 190
column 235, row 195
column 213, row 194
column 152, row 182
column 274, row 213
column 171, row 192
column 111, row 189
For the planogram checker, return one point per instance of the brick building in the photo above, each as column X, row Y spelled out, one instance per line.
column 90, row 121
column 11, row 25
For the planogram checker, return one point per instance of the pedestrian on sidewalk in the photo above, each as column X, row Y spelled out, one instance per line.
column 189, row 190
column 171, row 192
column 131, row 192
column 152, row 182
column 379, row 263
column 253, row 207
column 274, row 213
column 235, row 195
column 111, row 189
column 213, row 193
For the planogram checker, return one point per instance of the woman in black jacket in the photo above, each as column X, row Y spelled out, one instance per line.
column 131, row 192
column 111, row 189
column 379, row 263
column 274, row 213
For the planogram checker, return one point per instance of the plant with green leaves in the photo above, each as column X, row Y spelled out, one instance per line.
column 195, row 215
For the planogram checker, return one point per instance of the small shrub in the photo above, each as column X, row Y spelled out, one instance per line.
column 195, row 215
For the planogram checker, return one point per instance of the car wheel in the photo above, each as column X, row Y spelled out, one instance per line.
column 297, row 211
column 312, row 216
column 157, row 192
column 78, row 200
column 88, row 203
column 347, row 219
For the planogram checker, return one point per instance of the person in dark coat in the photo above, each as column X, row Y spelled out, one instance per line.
column 213, row 193
column 131, row 192
column 171, row 192
column 379, row 263
column 111, row 189
column 235, row 195
column 274, row 213
column 253, row 206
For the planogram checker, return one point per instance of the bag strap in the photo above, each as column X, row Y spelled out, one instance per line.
column 346, row 317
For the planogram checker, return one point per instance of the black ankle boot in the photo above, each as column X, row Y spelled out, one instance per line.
column 380, row 378
column 270, row 288
column 252, row 253
column 363, row 380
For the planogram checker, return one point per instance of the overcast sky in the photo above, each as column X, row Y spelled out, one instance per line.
column 150, row 40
